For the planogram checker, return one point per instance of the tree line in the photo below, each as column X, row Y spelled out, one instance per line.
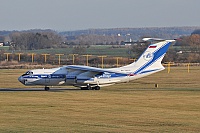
column 34, row 40
column 186, row 48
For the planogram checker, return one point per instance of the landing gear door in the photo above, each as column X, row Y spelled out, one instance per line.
column 75, row 79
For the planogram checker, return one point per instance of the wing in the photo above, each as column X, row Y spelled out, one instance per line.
column 93, row 76
column 86, row 72
column 86, row 68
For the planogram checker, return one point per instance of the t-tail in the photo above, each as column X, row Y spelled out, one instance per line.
column 150, row 61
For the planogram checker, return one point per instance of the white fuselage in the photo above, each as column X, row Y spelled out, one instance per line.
column 62, row 76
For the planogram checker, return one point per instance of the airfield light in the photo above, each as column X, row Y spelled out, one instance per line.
column 19, row 56
column 7, row 56
column 156, row 85
column 73, row 58
column 45, row 57
column 87, row 56
column 32, row 56
column 188, row 65
column 102, row 60
column 168, row 66
column 117, row 58
column 59, row 57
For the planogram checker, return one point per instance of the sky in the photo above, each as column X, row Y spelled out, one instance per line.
column 69, row 15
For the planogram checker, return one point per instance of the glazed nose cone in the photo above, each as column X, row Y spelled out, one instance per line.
column 21, row 79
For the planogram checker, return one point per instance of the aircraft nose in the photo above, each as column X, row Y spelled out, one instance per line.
column 21, row 79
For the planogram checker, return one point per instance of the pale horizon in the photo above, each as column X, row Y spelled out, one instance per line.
column 70, row 15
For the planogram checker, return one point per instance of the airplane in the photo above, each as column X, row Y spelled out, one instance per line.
column 92, row 78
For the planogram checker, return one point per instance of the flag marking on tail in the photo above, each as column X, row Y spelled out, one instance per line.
column 152, row 46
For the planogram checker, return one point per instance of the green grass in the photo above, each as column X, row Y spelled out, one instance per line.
column 4, row 48
column 133, row 107
column 94, row 50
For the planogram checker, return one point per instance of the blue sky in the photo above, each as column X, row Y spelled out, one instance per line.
column 64, row 15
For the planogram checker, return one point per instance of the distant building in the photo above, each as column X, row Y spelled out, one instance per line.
column 179, row 52
column 1, row 44
column 9, row 44
column 127, row 43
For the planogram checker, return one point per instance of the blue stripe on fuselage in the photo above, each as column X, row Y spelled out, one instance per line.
column 143, row 72
column 110, row 75
column 45, row 76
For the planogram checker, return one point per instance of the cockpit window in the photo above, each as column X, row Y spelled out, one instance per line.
column 28, row 73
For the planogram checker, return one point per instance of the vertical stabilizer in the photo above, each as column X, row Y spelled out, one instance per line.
column 150, row 60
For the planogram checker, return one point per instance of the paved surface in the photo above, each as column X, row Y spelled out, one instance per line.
column 35, row 89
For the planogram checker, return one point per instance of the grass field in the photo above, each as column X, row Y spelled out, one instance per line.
column 108, row 50
column 133, row 107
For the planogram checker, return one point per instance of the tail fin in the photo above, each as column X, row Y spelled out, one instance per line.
column 150, row 60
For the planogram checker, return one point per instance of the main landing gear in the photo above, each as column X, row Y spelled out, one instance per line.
column 82, row 88
column 46, row 88
column 91, row 88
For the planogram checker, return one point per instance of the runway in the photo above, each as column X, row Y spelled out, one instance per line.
column 36, row 89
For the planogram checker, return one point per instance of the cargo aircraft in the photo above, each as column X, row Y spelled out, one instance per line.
column 92, row 78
